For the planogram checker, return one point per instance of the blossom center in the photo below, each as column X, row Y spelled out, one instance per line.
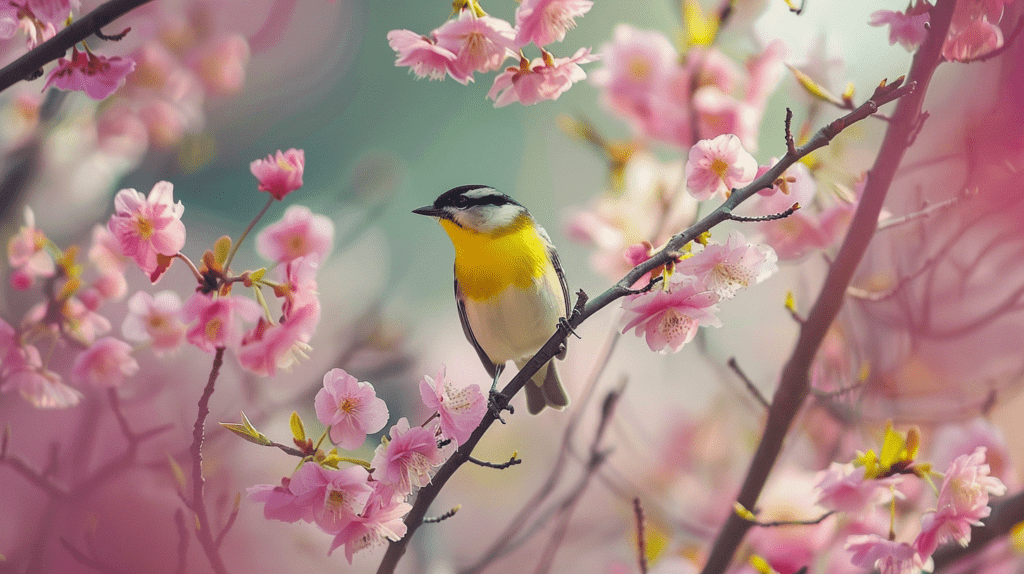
column 144, row 226
column 213, row 329
column 348, row 405
column 558, row 18
column 284, row 165
column 674, row 324
column 297, row 245
column 639, row 68
column 719, row 167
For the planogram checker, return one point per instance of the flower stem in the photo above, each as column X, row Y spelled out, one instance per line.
column 241, row 238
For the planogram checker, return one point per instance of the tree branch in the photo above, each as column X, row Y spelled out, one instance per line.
column 794, row 384
column 204, row 530
column 87, row 25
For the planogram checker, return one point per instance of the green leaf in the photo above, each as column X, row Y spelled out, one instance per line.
column 814, row 88
column 298, row 431
column 248, row 432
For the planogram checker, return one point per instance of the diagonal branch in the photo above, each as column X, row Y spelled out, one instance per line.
column 86, row 25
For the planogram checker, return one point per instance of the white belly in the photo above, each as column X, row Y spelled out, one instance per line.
column 516, row 323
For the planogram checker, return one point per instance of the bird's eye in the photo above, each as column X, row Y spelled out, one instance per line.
column 460, row 201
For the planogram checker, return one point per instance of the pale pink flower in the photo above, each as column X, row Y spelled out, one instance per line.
column 298, row 285
column 145, row 227
column 97, row 76
column 279, row 503
column 157, row 319
column 669, row 317
column 975, row 40
column 408, row 458
column 765, row 70
column 217, row 320
column 332, row 497
column 267, row 348
column 796, row 185
column 718, row 113
column 221, row 62
column 796, row 236
column 380, row 520
column 280, row 175
column 959, row 438
column 843, row 488
column 26, row 252
column 968, row 11
column 350, row 407
column 725, row 269
column 106, row 255
column 907, row 28
column 871, row 551
column 963, row 502
column 21, row 368
column 480, row 43
column 53, row 11
column 718, row 165
column 104, row 364
column 299, row 233
column 461, row 410
column 9, row 20
column 423, row 56
column 545, row 21
column 544, row 78
column 77, row 320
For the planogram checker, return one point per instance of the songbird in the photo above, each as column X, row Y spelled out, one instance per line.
column 509, row 286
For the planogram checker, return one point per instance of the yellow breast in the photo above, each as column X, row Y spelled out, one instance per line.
column 488, row 263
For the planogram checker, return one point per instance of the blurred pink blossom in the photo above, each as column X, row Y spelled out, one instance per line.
column 53, row 11
column 145, row 227
column 717, row 166
column 220, row 63
column 21, row 369
column 907, row 28
column 217, row 320
column 545, row 21
column 27, row 254
column 544, row 78
column 279, row 503
column 423, row 56
column 461, row 410
column 266, row 348
column 97, row 76
column 725, row 269
column 299, row 233
column 106, row 256
column 973, row 41
column 480, row 43
column 298, row 286
column 669, row 317
column 843, row 488
column 871, row 551
column 104, row 364
column 280, row 175
column 380, row 520
column 350, row 407
column 407, row 458
column 156, row 319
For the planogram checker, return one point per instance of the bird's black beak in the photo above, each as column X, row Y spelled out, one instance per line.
column 429, row 210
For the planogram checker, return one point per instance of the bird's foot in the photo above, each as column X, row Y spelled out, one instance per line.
column 498, row 402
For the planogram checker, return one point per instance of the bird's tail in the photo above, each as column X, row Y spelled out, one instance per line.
column 545, row 390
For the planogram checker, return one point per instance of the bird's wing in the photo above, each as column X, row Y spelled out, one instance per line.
column 558, row 269
column 460, row 302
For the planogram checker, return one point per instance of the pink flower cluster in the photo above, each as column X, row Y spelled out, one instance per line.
column 672, row 98
column 669, row 315
column 476, row 42
column 363, row 509
column 40, row 20
column 973, row 33
column 97, row 76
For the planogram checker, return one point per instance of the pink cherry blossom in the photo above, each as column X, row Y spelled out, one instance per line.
column 298, row 286
column 907, row 28
column 380, row 520
column 105, row 364
column 280, row 175
column 97, row 76
column 669, row 317
column 545, row 21
column 843, row 488
column 544, row 78
column 77, row 319
column 299, row 233
column 106, row 256
column 795, row 185
column 461, row 410
column 279, row 503
column 871, row 551
column 217, row 320
column 719, row 113
column 156, row 319
column 332, row 497
column 975, row 40
column 725, row 269
column 145, row 227
column 267, row 348
column 423, row 56
column 718, row 165
column 21, row 369
column 26, row 252
column 350, row 407
column 480, row 43
column 53, row 11
column 408, row 458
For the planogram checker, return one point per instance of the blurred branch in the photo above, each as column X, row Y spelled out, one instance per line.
column 641, row 540
column 794, row 384
column 90, row 560
column 204, row 530
column 85, row 26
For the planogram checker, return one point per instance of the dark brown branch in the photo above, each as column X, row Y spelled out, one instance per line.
column 790, row 142
column 442, row 517
column 204, row 530
column 771, row 217
column 749, row 384
column 497, row 465
column 778, row 523
column 641, row 539
column 56, row 47
column 87, row 560
column 794, row 384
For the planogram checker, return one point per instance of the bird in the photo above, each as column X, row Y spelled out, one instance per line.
column 510, row 290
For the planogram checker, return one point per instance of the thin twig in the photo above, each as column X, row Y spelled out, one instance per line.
column 231, row 521
column 925, row 211
column 442, row 517
column 809, row 522
column 90, row 561
column 790, row 142
column 771, row 217
column 204, row 531
column 183, row 538
column 641, row 538
column 497, row 465
column 746, row 381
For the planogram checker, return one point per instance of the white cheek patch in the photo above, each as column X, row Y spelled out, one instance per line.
column 487, row 218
